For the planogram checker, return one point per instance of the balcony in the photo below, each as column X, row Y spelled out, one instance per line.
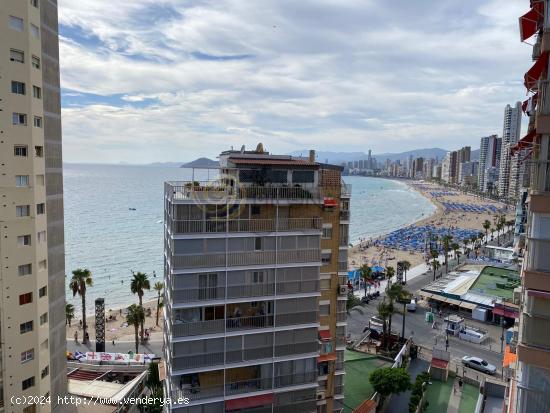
column 342, row 266
column 540, row 176
column 217, row 191
column 231, row 259
column 345, row 191
column 302, row 317
column 247, row 386
column 244, row 225
column 341, row 317
column 543, row 108
column 538, row 258
column 535, row 332
column 197, row 392
column 345, row 215
column 295, row 379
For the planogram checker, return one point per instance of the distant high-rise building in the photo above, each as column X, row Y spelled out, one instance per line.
column 468, row 172
column 453, row 167
column 489, row 157
column 446, row 168
column 510, row 136
column 33, row 360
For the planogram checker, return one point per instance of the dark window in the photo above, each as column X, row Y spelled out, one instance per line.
column 20, row 150
column 258, row 243
column 25, row 298
column 255, row 210
column 28, row 383
column 43, row 291
column 25, row 327
column 17, row 87
column 303, row 176
column 40, row 209
column 248, row 175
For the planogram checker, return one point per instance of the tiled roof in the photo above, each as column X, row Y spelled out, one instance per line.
column 275, row 162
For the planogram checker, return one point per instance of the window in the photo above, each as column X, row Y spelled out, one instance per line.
column 327, row 233
column 42, row 265
column 17, row 56
column 25, row 298
column 21, row 180
column 326, row 257
column 27, row 355
column 39, row 151
column 20, row 150
column 40, row 209
column 16, row 23
column 37, row 122
column 25, row 327
column 17, row 87
column 45, row 371
column 258, row 277
column 22, row 211
column 258, row 243
column 23, row 240
column 35, row 31
column 35, row 62
column 27, row 383
column 40, row 180
column 303, row 176
column 19, row 119
column 41, row 236
column 25, row 269
column 43, row 291
column 325, row 284
column 36, row 92
column 44, row 318
column 324, row 309
column 34, row 3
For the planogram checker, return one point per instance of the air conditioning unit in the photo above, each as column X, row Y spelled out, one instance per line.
column 343, row 289
column 320, row 395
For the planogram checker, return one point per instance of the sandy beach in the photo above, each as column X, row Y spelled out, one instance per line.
column 365, row 251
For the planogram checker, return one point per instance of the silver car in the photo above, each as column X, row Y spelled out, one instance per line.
column 479, row 364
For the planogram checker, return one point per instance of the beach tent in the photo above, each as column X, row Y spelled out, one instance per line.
column 377, row 269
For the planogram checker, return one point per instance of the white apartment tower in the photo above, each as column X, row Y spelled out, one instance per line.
column 510, row 136
column 32, row 268
column 489, row 160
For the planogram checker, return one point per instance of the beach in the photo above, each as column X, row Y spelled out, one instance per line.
column 366, row 251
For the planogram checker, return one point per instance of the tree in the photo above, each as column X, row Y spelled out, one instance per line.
column 158, row 287
column 456, row 249
column 384, row 311
column 140, row 283
column 69, row 313
column 446, row 248
column 388, row 381
column 401, row 296
column 435, row 261
column 406, row 265
column 486, row 226
column 390, row 272
column 81, row 280
column 154, row 385
column 135, row 317
column 366, row 275
column 465, row 243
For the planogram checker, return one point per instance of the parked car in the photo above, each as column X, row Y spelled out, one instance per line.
column 376, row 319
column 479, row 364
column 412, row 305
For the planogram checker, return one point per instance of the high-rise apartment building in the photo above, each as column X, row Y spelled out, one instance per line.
column 32, row 307
column 510, row 136
column 489, row 160
column 529, row 388
column 256, row 276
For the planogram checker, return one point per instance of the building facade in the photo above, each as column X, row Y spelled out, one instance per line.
column 489, row 160
column 32, row 308
column 256, row 277
column 510, row 136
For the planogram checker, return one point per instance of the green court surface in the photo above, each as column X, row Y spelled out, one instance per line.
column 468, row 399
column 498, row 282
column 358, row 368
column 438, row 396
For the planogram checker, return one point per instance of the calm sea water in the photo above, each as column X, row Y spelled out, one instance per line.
column 105, row 236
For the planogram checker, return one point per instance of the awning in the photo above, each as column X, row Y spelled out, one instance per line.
column 425, row 295
column 467, row 305
column 326, row 357
column 452, row 301
column 530, row 104
column 324, row 335
column 247, row 402
column 506, row 312
column 330, row 202
column 530, row 22
column 524, row 142
column 438, row 363
column 532, row 76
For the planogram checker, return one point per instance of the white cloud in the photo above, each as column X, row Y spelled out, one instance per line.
column 193, row 77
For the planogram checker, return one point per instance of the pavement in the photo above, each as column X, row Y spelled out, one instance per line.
column 151, row 347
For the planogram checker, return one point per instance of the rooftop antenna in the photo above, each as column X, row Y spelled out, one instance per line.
column 242, row 149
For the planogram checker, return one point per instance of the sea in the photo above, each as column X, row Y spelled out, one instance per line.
column 114, row 222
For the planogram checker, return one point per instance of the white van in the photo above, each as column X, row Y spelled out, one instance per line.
column 411, row 307
column 471, row 336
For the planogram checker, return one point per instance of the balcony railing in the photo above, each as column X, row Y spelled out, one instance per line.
column 344, row 215
column 540, row 176
column 198, row 392
column 345, row 192
column 537, row 48
column 338, row 389
column 244, row 225
column 543, row 101
column 297, row 318
column 246, row 258
column 342, row 266
column 296, row 348
column 215, row 191
column 538, row 258
column 244, row 290
column 341, row 316
column 246, row 386
column 536, row 332
column 295, row 379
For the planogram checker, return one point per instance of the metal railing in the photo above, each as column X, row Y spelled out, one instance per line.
column 198, row 392
column 198, row 328
column 345, row 190
column 339, row 389
column 216, row 191
column 244, row 225
column 296, row 348
column 245, row 258
column 295, row 379
column 538, row 257
column 537, row 48
column 540, row 175
column 536, row 332
column 543, row 101
column 341, row 316
column 246, row 386
column 297, row 318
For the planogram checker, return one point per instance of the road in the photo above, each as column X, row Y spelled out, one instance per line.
column 152, row 347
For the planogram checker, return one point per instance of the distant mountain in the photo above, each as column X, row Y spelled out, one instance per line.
column 339, row 157
column 165, row 164
column 201, row 163
column 416, row 153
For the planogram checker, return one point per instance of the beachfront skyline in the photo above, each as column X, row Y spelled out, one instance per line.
column 149, row 82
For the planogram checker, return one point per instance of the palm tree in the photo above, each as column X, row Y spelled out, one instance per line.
column 402, row 296
column 140, row 283
column 446, row 248
column 465, row 242
column 158, row 287
column 406, row 265
column 435, row 262
column 366, row 275
column 486, row 226
column 82, row 278
column 390, row 272
column 456, row 249
column 500, row 225
column 135, row 317
column 69, row 313
column 384, row 311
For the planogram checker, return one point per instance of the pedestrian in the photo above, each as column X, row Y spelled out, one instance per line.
column 454, row 389
column 113, row 341
column 76, row 337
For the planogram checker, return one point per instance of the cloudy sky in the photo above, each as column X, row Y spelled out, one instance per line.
column 171, row 80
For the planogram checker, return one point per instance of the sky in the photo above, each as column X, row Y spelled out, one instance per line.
column 172, row 80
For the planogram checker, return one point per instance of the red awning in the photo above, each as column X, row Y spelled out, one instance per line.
column 324, row 335
column 330, row 202
column 506, row 312
column 524, row 105
column 532, row 76
column 247, row 402
column 326, row 357
column 530, row 22
column 442, row 364
column 524, row 142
